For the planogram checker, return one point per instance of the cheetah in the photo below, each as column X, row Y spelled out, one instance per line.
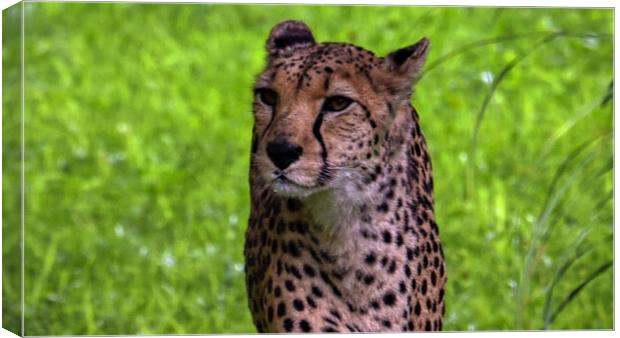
column 342, row 234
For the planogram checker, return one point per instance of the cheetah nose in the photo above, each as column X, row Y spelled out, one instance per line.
column 282, row 153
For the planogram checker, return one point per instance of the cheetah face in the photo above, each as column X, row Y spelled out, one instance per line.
column 323, row 112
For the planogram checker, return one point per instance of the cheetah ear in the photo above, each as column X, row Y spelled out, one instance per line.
column 288, row 36
column 407, row 62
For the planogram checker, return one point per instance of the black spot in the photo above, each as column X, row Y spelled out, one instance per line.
column 389, row 299
column 305, row 326
column 288, row 325
column 295, row 272
column 383, row 207
column 289, row 285
column 433, row 278
column 317, row 291
column 407, row 270
column 387, row 324
column 298, row 304
column 427, row 325
column 277, row 292
column 369, row 279
column 281, row 309
column 392, row 267
column 402, row 287
column 387, row 237
column 399, row 239
column 417, row 309
column 328, row 70
column 375, row 304
column 409, row 254
column 270, row 313
column 370, row 259
column 309, row 270
column 424, row 287
column 329, row 329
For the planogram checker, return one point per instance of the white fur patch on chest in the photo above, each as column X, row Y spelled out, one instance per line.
column 336, row 212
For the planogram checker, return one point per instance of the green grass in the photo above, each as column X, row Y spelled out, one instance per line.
column 138, row 121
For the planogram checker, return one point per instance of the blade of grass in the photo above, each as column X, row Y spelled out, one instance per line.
column 541, row 224
column 574, row 252
column 571, row 296
column 485, row 103
column 48, row 263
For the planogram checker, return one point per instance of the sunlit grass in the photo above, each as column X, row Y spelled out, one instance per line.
column 138, row 123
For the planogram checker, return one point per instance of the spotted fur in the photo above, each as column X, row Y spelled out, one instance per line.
column 342, row 234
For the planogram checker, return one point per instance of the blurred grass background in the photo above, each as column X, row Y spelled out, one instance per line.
column 138, row 120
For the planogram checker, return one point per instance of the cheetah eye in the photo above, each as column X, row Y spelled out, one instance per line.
column 267, row 96
column 336, row 103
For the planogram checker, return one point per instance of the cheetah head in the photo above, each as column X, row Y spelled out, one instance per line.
column 323, row 111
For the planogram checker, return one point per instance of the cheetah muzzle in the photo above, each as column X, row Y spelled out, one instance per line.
column 342, row 234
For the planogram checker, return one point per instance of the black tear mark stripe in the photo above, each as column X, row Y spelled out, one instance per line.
column 273, row 113
column 316, row 130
